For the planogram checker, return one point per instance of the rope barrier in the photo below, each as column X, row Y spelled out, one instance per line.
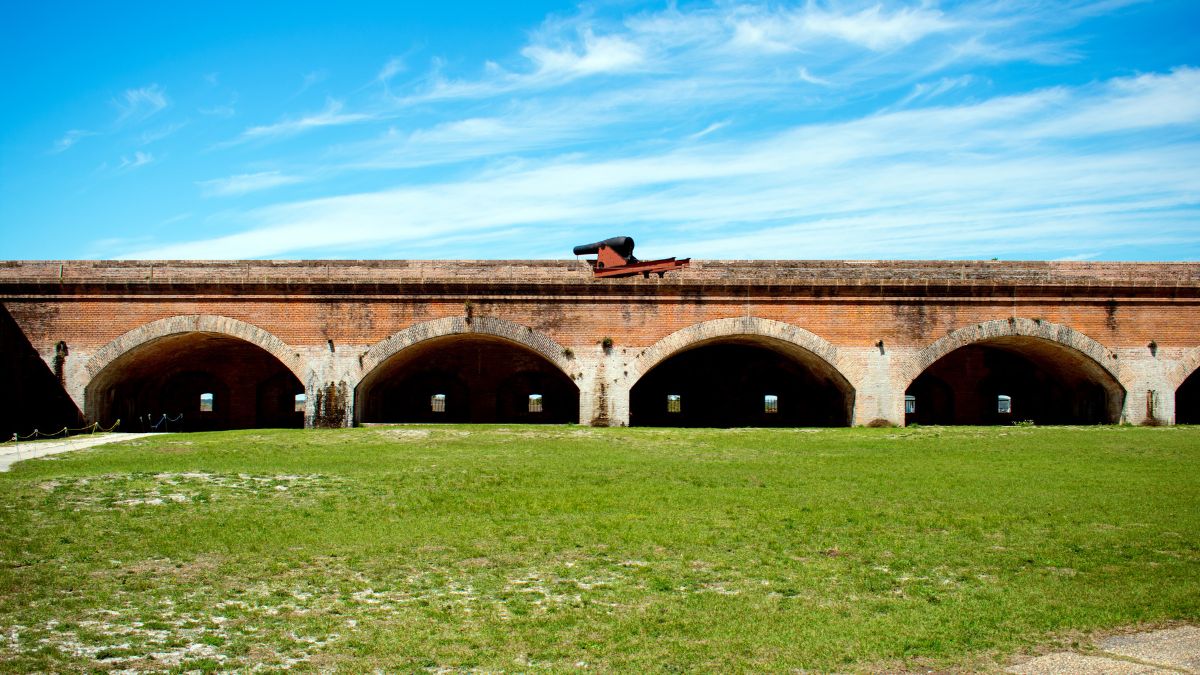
column 165, row 419
column 65, row 432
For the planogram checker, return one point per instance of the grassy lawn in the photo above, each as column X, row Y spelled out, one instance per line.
column 559, row 548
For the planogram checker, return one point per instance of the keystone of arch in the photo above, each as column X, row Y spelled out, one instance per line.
column 534, row 340
column 746, row 326
column 195, row 323
column 1063, row 335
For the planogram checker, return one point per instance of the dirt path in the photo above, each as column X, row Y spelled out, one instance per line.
column 11, row 453
column 1171, row 650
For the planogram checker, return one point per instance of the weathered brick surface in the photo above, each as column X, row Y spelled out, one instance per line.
column 877, row 324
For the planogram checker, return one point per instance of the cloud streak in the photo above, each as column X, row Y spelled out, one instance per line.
column 246, row 183
column 138, row 105
column 997, row 177
column 137, row 160
column 70, row 138
column 330, row 116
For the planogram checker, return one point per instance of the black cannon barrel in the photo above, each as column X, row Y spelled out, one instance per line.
column 623, row 246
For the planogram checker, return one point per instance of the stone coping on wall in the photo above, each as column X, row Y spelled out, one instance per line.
column 544, row 278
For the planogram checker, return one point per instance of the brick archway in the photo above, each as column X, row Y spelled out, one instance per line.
column 988, row 330
column 525, row 336
column 195, row 323
column 167, row 367
column 730, row 368
column 710, row 331
column 1037, row 370
column 478, row 368
column 1188, row 364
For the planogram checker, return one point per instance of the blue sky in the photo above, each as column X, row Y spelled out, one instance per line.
column 1011, row 129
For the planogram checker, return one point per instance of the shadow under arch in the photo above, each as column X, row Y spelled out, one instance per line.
column 166, row 367
column 742, row 371
column 1186, row 382
column 999, row 371
column 481, row 369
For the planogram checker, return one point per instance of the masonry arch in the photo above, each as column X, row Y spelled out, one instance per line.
column 743, row 371
column 1007, row 370
column 456, row 369
column 1187, row 388
column 217, row 372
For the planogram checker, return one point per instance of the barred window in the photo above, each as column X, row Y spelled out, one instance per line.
column 910, row 404
column 535, row 403
column 437, row 403
column 1004, row 404
column 301, row 399
column 674, row 404
column 770, row 404
column 206, row 402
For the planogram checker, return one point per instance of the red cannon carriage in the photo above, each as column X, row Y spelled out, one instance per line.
column 614, row 258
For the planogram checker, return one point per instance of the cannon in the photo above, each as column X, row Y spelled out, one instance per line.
column 614, row 258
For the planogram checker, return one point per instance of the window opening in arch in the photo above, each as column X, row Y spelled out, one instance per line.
column 437, row 403
column 674, row 403
column 206, row 402
column 301, row 401
column 770, row 404
column 910, row 404
column 1004, row 404
column 535, row 403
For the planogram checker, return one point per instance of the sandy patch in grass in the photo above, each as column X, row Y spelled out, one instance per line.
column 111, row 491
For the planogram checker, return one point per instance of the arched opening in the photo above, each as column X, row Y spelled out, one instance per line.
column 1187, row 400
column 742, row 381
column 467, row 378
column 213, row 380
column 1011, row 379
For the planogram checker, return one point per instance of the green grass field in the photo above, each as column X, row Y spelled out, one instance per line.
column 560, row 548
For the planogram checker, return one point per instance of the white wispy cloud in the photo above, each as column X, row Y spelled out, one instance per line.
column 155, row 135
column 392, row 68
column 1000, row 176
column 226, row 110
column 330, row 116
column 925, row 91
column 140, row 104
column 311, row 79
column 808, row 77
column 138, row 159
column 246, row 183
column 591, row 56
column 875, row 28
column 712, row 128
column 70, row 138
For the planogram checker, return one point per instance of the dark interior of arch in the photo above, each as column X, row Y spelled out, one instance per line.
column 725, row 385
column 167, row 376
column 482, row 379
column 1187, row 400
column 33, row 396
column 1047, row 383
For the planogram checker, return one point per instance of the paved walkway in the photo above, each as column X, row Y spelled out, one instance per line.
column 1172, row 650
column 11, row 453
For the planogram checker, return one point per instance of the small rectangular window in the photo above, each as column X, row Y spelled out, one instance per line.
column 301, row 399
column 206, row 402
column 1004, row 404
column 910, row 404
column 437, row 403
column 535, row 403
column 770, row 404
column 674, row 404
